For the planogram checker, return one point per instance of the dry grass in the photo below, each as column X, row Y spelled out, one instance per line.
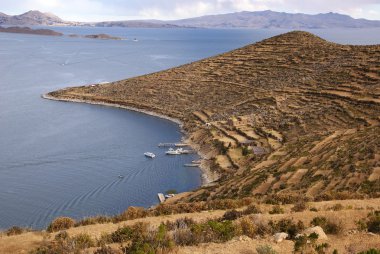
column 353, row 211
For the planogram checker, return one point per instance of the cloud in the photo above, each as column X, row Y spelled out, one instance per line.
column 175, row 9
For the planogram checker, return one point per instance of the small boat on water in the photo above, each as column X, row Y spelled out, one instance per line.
column 150, row 155
column 121, row 176
column 171, row 151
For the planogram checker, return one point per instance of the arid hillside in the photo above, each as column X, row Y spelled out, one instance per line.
column 291, row 116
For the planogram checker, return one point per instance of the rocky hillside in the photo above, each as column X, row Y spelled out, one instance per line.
column 291, row 116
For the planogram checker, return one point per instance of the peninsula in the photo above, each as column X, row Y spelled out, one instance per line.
column 275, row 119
column 289, row 132
column 28, row 30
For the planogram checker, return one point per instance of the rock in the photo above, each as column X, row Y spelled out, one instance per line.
column 318, row 230
column 279, row 237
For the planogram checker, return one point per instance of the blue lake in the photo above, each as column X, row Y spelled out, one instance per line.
column 64, row 159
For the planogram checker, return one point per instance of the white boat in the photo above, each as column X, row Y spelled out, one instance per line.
column 171, row 151
column 149, row 154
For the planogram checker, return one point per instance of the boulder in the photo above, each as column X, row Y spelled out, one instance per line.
column 318, row 230
column 279, row 237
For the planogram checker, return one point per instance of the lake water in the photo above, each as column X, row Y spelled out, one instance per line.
column 64, row 159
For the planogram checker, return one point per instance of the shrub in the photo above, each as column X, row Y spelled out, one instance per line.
column 329, row 226
column 60, row 223
column 276, row 210
column 319, row 221
column 371, row 251
column 299, row 206
column 14, row 231
column 213, row 231
column 321, row 248
column 231, row 215
column 157, row 241
column 106, row 250
column 245, row 151
column 121, row 235
column 184, row 237
column 251, row 209
column 93, row 220
column 181, row 223
column 61, row 236
column 305, row 244
column 65, row 244
column 373, row 222
column 224, row 230
column 337, row 207
column 82, row 241
column 287, row 226
column 248, row 227
column 130, row 214
column 265, row 249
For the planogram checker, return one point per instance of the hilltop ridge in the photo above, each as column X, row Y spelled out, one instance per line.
column 244, row 19
column 290, row 117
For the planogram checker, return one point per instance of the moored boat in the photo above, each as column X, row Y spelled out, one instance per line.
column 171, row 151
column 150, row 155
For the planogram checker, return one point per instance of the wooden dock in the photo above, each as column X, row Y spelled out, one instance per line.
column 161, row 197
column 172, row 144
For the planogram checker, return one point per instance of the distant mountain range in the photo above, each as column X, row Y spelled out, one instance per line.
column 32, row 18
column 245, row 19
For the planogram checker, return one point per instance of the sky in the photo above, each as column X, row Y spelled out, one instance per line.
column 109, row 10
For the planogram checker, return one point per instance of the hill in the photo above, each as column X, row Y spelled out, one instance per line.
column 245, row 19
column 291, row 117
column 272, row 19
column 32, row 18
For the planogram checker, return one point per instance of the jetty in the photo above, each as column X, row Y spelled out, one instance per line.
column 172, row 144
column 192, row 165
column 161, row 197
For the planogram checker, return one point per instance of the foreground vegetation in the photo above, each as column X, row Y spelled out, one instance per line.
column 253, row 224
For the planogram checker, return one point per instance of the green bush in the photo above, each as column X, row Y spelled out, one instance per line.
column 122, row 234
column 265, row 249
column 371, row 251
column 60, row 223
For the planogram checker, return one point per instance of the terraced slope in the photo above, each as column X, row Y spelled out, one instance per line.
column 288, row 116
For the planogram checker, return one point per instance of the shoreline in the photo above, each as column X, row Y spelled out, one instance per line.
column 206, row 176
